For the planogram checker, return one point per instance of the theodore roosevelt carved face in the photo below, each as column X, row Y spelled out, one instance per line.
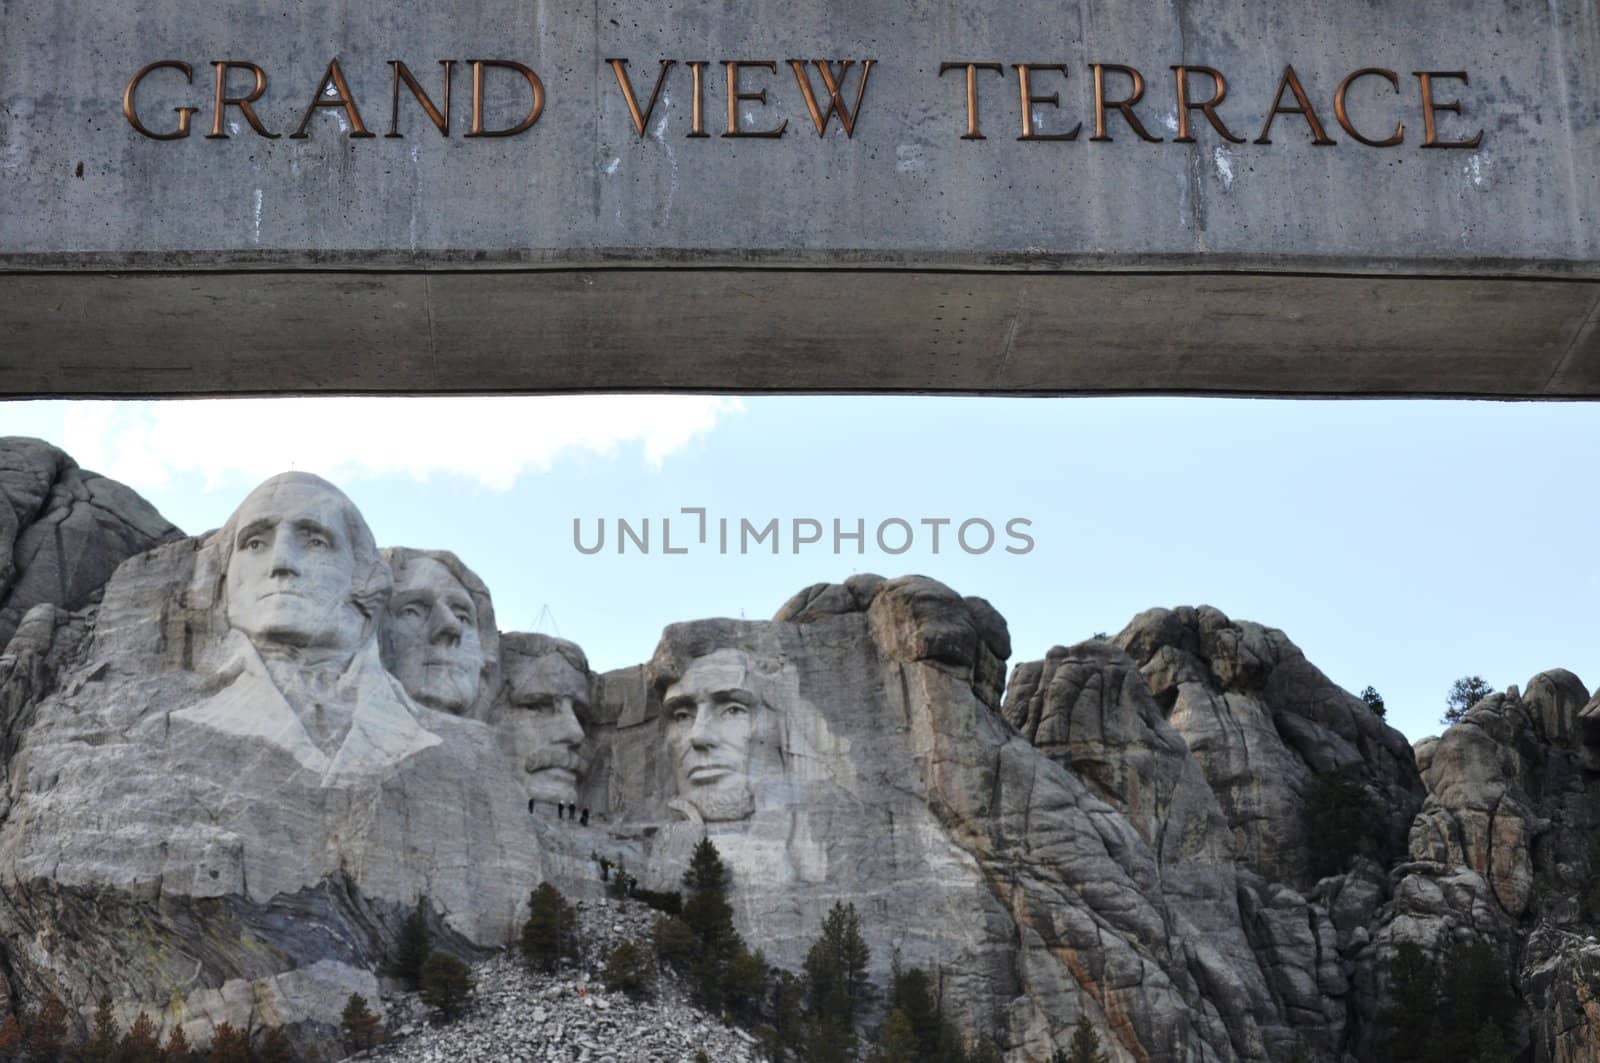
column 712, row 713
column 548, row 694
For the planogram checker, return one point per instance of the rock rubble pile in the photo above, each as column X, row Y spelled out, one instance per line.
column 521, row 1014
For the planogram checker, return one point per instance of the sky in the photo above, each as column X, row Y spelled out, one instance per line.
column 1400, row 544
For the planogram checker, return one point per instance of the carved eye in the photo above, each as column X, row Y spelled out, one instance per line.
column 318, row 542
column 682, row 715
column 411, row 611
column 734, row 708
column 255, row 543
column 463, row 616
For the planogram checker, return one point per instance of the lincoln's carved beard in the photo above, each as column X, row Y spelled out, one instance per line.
column 724, row 803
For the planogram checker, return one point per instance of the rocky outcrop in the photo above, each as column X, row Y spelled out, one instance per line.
column 1506, row 850
column 1262, row 722
column 63, row 530
column 234, row 769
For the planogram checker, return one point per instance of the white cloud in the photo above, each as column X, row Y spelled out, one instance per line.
column 493, row 440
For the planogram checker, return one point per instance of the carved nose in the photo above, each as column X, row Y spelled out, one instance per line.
column 446, row 628
column 569, row 731
column 702, row 735
column 283, row 557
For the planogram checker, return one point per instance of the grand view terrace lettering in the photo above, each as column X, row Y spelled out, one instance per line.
column 1370, row 104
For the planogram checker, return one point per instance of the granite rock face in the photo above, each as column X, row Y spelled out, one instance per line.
column 1506, row 850
column 233, row 769
column 63, row 530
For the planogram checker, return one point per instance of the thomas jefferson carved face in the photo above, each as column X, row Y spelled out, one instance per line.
column 549, row 701
column 290, row 579
column 711, row 715
column 431, row 636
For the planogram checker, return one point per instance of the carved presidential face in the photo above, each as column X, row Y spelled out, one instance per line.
column 291, row 572
column 549, row 701
column 711, row 715
column 431, row 637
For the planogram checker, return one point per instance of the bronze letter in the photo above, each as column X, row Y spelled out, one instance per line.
column 734, row 96
column 1025, row 90
column 440, row 119
column 1340, row 112
column 1208, row 108
column 1430, row 132
column 184, row 113
column 697, row 127
column 619, row 67
column 835, row 104
column 972, row 92
column 1125, row 106
column 534, row 83
column 335, row 77
column 223, row 100
column 1290, row 81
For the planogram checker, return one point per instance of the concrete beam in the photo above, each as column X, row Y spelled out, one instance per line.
column 158, row 333
column 582, row 254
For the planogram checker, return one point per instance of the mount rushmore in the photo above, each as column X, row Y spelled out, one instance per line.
column 234, row 763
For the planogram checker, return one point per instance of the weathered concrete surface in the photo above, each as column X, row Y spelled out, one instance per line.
column 753, row 330
column 581, row 192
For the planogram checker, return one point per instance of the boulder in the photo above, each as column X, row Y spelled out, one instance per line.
column 63, row 530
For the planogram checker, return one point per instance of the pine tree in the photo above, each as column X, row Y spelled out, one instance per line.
column 10, row 1038
column 551, row 930
column 141, row 1044
column 446, row 984
column 709, row 917
column 1374, row 701
column 952, row 1047
column 1477, row 1007
column 358, row 1024
column 829, row 1039
column 46, row 1037
column 275, row 1047
column 177, row 1050
column 1339, row 813
column 899, row 1043
column 836, row 966
column 628, row 970
column 102, row 1044
column 414, row 946
column 744, row 983
column 228, row 1045
column 985, row 1051
column 1085, row 1046
column 788, row 1012
column 911, row 992
column 1464, row 693
column 1413, row 992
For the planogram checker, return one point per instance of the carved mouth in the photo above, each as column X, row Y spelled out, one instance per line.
column 555, row 772
column 709, row 773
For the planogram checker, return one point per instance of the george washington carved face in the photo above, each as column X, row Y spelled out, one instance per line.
column 297, row 545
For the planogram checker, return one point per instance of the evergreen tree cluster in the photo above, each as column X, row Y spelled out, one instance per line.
column 551, row 933
column 701, row 941
column 47, row 1037
column 445, row 981
column 1340, row 813
column 1461, row 1009
column 811, row 1016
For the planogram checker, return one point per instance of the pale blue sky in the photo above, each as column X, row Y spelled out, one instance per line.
column 1400, row 544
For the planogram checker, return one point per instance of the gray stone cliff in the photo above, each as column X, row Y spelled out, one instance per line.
column 233, row 767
